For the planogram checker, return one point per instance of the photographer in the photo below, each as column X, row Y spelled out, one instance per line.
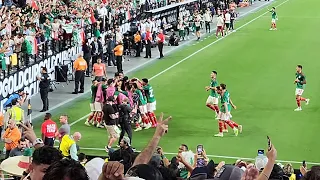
column 124, row 119
column 20, row 96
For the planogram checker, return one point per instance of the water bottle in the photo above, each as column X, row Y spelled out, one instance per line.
column 261, row 160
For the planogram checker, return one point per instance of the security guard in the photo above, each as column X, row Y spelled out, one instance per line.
column 79, row 67
column 15, row 113
column 44, row 86
column 118, row 52
column 137, row 41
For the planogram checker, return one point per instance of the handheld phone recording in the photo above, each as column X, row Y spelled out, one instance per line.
column 200, row 149
column 304, row 164
column 269, row 143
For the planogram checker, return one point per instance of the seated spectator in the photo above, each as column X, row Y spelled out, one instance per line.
column 124, row 154
column 68, row 146
column 82, row 159
column 18, row 151
column 11, row 137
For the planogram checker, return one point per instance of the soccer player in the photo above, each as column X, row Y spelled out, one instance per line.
column 225, row 127
column 151, row 101
column 212, row 101
column 225, row 111
column 143, row 109
column 300, row 81
column 91, row 118
column 274, row 18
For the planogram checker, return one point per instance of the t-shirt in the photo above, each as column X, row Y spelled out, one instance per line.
column 301, row 78
column 107, row 111
column 273, row 15
column 49, row 128
column 11, row 97
column 225, row 98
column 99, row 69
column 227, row 17
column 213, row 83
column 16, row 152
column 142, row 100
column 148, row 90
column 64, row 129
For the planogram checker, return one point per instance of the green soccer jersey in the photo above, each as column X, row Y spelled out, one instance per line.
column 148, row 90
column 301, row 78
column 213, row 83
column 142, row 100
column 93, row 93
column 225, row 98
column 273, row 15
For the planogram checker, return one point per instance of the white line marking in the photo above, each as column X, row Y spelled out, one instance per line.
column 216, row 156
column 186, row 58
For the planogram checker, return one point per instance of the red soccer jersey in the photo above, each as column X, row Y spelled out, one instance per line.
column 49, row 128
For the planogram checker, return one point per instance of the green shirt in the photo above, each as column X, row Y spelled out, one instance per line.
column 225, row 98
column 2, row 60
column 27, row 47
column 149, row 93
column 273, row 15
column 93, row 93
column 142, row 100
column 213, row 83
column 301, row 78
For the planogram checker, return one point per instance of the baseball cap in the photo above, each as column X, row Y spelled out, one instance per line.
column 126, row 140
column 229, row 172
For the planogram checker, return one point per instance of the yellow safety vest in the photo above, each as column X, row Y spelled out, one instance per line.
column 16, row 114
column 66, row 143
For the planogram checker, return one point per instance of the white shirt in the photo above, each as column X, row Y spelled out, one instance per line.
column 220, row 21
column 207, row 17
column 227, row 17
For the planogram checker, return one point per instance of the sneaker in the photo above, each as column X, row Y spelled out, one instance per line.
column 307, row 101
column 236, row 131
column 148, row 126
column 298, row 109
column 270, row 29
column 138, row 129
column 225, row 130
column 218, row 135
column 87, row 123
column 240, row 128
column 98, row 125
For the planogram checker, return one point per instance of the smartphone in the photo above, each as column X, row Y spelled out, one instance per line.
column 269, row 143
column 260, row 152
column 304, row 164
column 200, row 149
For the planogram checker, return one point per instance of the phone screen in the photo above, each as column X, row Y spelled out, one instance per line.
column 200, row 149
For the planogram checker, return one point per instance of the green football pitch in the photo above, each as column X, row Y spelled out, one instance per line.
column 258, row 67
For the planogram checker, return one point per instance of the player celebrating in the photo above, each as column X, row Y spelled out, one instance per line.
column 225, row 111
column 143, row 109
column 151, row 101
column 274, row 18
column 212, row 101
column 300, row 81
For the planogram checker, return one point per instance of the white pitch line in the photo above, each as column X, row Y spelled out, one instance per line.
column 215, row 156
column 137, row 67
column 186, row 58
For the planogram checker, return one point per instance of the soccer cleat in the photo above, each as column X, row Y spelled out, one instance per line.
column 87, row 123
column 236, row 131
column 307, row 101
column 298, row 109
column 240, row 128
column 225, row 130
column 271, row 29
column 148, row 126
column 218, row 135
column 138, row 129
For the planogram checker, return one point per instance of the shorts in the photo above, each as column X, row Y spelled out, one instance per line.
column 212, row 100
column 96, row 106
column 143, row 109
column 299, row 92
column 151, row 106
column 112, row 132
column 227, row 25
column 224, row 116
column 273, row 20
column 197, row 28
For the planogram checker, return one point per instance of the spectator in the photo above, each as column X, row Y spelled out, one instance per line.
column 26, row 50
column 11, row 137
column 82, row 159
column 18, row 151
column 124, row 154
column 68, row 146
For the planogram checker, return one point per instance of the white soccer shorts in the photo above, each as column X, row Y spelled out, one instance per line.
column 273, row 20
column 212, row 100
column 299, row 92
column 143, row 109
column 152, row 106
column 224, row 116
column 97, row 106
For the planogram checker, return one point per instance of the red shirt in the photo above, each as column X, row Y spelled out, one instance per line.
column 161, row 38
column 148, row 36
column 49, row 128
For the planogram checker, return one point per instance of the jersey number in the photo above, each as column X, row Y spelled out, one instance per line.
column 151, row 93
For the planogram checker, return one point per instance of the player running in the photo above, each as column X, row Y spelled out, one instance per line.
column 151, row 101
column 300, row 81
column 274, row 18
column 225, row 112
column 212, row 101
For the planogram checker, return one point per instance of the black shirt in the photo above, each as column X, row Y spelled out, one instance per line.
column 107, row 111
column 45, row 81
column 124, row 110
